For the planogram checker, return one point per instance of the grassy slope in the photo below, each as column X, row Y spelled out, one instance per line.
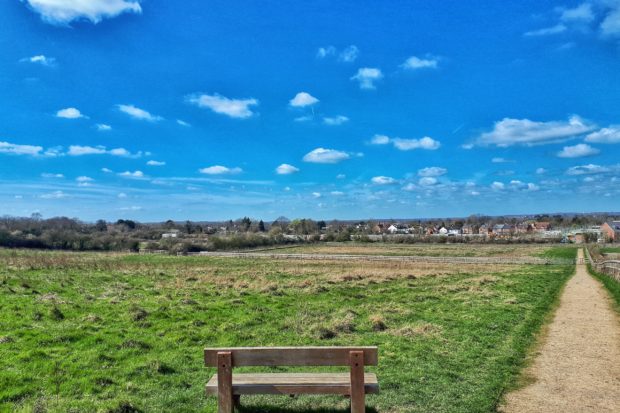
column 134, row 337
column 612, row 285
column 611, row 250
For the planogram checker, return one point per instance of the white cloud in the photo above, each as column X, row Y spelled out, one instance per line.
column 134, row 174
column 541, row 171
column 410, row 187
column 54, row 195
column 155, row 163
column 305, row 118
column 498, row 186
column 427, row 181
column 383, row 180
column 102, row 127
column 84, row 179
column 589, row 169
column 15, row 149
column 286, row 169
column 316, row 194
column 65, row 11
column 303, row 99
column 121, row 195
column 337, row 193
column 380, row 140
column 432, row 171
column 323, row 52
column 183, row 123
column 411, row 144
column 508, row 132
column 41, row 60
column 349, row 54
column 138, row 113
column 336, row 120
column 610, row 26
column 367, row 76
column 500, row 160
column 581, row 13
column 605, row 135
column 341, row 176
column 322, row 155
column 69, row 113
column 234, row 108
column 220, row 170
column 106, row 170
column 578, row 151
column 79, row 150
column 52, row 175
column 532, row 187
column 557, row 29
column 131, row 208
column 414, row 63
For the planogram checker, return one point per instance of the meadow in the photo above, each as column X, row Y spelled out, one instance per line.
column 98, row 332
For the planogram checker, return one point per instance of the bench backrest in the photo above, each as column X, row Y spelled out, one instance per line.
column 291, row 356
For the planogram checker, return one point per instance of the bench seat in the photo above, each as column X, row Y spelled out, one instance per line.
column 294, row 383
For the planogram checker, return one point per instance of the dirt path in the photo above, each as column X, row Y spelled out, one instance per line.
column 577, row 369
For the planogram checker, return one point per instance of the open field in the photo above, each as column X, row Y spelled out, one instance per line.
column 113, row 332
column 421, row 250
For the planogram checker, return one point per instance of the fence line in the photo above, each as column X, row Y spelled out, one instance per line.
column 607, row 267
column 401, row 258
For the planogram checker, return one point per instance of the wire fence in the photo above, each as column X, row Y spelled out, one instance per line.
column 607, row 267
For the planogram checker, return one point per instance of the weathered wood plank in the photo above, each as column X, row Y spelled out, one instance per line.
column 293, row 383
column 358, row 402
column 225, row 402
column 291, row 356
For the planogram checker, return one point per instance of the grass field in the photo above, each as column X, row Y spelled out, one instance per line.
column 423, row 250
column 611, row 250
column 122, row 333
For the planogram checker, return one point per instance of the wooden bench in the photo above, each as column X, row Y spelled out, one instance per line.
column 229, row 387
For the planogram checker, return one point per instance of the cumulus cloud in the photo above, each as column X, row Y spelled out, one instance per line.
column 322, row 155
column 54, row 195
column 581, row 13
column 336, row 120
column 41, row 60
column 16, row 149
column 578, row 151
column 303, row 99
column 432, row 171
column 383, row 180
column 367, row 76
column 411, row 144
column 589, row 169
column 610, row 26
column 134, row 174
column 426, row 142
column 541, row 171
column 102, row 127
column 500, row 160
column 220, row 170
column 234, row 108
column 415, row 63
column 509, row 132
column 138, row 113
column 286, row 169
column 605, row 135
column 79, row 150
column 84, row 179
column 69, row 113
column 316, row 194
column 349, row 54
column 62, row 12
column 427, row 181
column 52, row 175
column 498, row 186
column 183, row 123
column 155, row 163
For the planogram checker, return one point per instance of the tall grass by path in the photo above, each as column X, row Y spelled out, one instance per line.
column 128, row 334
column 610, row 284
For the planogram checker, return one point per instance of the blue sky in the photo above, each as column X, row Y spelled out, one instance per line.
column 209, row 110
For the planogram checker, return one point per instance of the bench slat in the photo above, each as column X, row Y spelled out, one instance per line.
column 294, row 383
column 291, row 356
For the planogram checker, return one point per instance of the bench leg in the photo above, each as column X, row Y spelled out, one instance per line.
column 225, row 402
column 358, row 393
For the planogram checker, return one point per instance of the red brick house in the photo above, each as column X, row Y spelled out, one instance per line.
column 611, row 230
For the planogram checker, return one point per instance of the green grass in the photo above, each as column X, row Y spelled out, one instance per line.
column 98, row 332
column 610, row 250
column 610, row 284
column 565, row 252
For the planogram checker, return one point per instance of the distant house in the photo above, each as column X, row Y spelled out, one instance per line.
column 484, row 229
column 398, row 229
column 172, row 234
column 454, row 231
column 392, row 229
column 443, row 231
column 541, row 226
column 611, row 230
column 378, row 228
column 469, row 230
column 503, row 229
